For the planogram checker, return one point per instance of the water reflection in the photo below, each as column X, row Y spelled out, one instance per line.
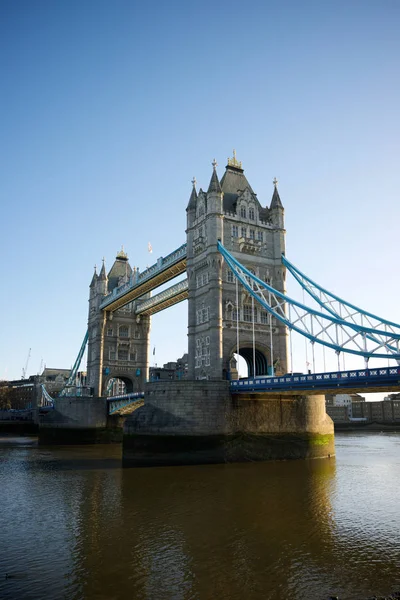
column 79, row 527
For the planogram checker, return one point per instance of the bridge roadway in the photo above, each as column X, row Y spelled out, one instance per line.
column 350, row 382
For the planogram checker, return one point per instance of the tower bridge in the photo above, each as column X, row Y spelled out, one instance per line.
column 235, row 266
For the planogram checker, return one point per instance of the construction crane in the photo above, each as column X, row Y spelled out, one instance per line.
column 25, row 369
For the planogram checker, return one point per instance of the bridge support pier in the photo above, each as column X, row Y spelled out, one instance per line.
column 199, row 422
column 79, row 420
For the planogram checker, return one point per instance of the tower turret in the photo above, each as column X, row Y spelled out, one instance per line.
column 102, row 281
column 192, row 204
column 277, row 210
column 93, row 282
column 214, row 192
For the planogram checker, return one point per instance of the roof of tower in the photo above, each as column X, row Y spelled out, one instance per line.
column 193, row 196
column 120, row 268
column 276, row 201
column 215, row 185
column 233, row 183
column 94, row 278
column 103, row 276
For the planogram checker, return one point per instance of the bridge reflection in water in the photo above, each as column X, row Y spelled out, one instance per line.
column 303, row 529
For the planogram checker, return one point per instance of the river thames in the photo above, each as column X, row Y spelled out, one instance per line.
column 74, row 525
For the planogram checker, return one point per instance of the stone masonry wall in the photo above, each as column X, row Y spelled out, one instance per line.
column 207, row 408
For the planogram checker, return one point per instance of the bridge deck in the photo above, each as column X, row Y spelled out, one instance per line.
column 350, row 382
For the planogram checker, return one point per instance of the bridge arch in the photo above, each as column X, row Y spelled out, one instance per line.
column 261, row 354
column 119, row 383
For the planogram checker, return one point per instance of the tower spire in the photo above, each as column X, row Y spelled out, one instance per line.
column 193, row 196
column 276, row 201
column 215, row 185
column 103, row 276
column 94, row 278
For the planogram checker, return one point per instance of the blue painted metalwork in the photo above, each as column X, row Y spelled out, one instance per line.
column 75, row 368
column 324, row 323
column 47, row 400
column 301, row 277
column 115, row 403
column 364, row 378
column 338, row 307
column 137, row 280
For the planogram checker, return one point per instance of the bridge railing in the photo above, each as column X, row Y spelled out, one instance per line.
column 161, row 265
column 115, row 403
column 83, row 391
column 364, row 377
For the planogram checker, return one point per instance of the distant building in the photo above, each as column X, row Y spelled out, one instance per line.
column 170, row 371
column 379, row 412
column 344, row 408
column 25, row 393
column 340, row 406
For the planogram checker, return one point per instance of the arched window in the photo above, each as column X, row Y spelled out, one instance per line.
column 243, row 212
column 251, row 214
column 123, row 331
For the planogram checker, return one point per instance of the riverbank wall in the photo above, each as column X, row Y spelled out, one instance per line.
column 199, row 422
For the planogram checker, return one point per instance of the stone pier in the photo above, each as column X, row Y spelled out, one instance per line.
column 199, row 422
column 79, row 420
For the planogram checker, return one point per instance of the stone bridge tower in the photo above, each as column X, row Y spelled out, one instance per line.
column 231, row 212
column 118, row 345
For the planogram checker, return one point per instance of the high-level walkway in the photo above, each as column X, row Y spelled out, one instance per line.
column 161, row 272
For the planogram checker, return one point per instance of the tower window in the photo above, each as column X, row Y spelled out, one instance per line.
column 202, row 315
column 230, row 278
column 235, row 231
column 124, row 331
column 243, row 231
column 260, row 236
column 202, row 279
column 110, row 331
column 251, row 214
column 243, row 212
column 252, row 234
column 248, row 313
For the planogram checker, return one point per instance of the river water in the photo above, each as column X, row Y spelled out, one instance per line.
column 74, row 525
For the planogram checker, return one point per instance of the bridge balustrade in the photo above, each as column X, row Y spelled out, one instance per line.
column 337, row 379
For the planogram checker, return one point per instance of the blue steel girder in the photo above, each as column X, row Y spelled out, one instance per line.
column 161, row 272
column 338, row 307
column 318, row 327
column 47, row 400
column 75, row 368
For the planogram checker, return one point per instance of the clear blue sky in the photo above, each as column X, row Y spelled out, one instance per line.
column 109, row 108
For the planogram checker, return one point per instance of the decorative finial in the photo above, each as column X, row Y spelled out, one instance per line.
column 103, row 259
column 233, row 162
column 214, row 164
column 194, row 181
column 275, row 181
column 122, row 254
column 95, row 268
